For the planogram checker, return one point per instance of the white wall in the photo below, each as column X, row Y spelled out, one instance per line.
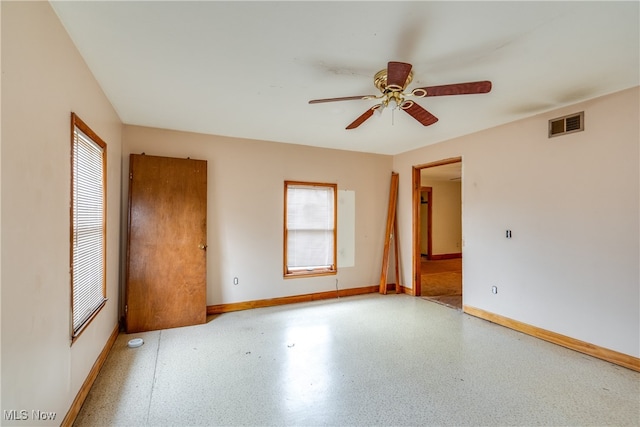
column 572, row 203
column 44, row 79
column 246, row 208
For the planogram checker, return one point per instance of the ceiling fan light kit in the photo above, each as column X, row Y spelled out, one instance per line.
column 392, row 83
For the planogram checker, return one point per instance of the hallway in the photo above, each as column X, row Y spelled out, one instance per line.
column 442, row 281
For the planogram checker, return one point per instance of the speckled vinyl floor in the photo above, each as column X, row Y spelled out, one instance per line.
column 371, row 360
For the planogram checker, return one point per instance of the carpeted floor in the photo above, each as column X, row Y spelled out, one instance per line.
column 442, row 281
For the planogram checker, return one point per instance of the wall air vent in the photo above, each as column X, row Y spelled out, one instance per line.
column 567, row 124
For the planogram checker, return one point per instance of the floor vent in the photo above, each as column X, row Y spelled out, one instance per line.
column 567, row 124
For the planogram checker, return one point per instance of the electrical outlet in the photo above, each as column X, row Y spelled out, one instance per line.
column 494, row 289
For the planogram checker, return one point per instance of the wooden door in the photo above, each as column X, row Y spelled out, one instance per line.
column 167, row 238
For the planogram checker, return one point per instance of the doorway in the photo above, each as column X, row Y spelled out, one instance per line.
column 437, row 231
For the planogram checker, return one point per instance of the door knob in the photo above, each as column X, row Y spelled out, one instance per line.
column 203, row 247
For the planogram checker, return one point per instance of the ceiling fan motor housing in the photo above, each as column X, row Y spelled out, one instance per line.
column 380, row 81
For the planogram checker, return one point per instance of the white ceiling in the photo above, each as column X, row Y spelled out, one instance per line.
column 248, row 69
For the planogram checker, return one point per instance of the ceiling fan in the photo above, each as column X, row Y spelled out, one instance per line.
column 393, row 81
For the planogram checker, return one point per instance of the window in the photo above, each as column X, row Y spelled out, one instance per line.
column 88, row 225
column 309, row 229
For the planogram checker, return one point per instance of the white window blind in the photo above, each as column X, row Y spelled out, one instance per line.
column 87, row 229
column 310, row 224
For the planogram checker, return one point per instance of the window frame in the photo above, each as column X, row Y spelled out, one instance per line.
column 333, row 269
column 77, row 123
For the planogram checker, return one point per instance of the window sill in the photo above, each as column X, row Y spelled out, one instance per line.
column 306, row 273
column 76, row 335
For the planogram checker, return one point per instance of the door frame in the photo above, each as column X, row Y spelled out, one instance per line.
column 429, row 192
column 416, row 188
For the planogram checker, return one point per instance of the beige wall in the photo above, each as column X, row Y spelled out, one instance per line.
column 44, row 79
column 446, row 223
column 572, row 203
column 246, row 207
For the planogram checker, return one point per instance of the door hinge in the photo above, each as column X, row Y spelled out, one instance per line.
column 130, row 175
column 126, row 309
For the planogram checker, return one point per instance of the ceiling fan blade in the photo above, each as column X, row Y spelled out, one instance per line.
column 454, row 89
column 357, row 122
column 397, row 73
column 345, row 98
column 419, row 113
